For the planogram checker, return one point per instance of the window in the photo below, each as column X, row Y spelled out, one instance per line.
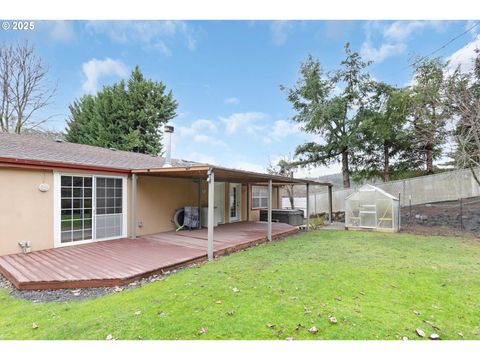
column 259, row 197
column 90, row 208
column 76, row 208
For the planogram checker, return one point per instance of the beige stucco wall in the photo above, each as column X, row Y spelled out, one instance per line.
column 26, row 213
column 157, row 199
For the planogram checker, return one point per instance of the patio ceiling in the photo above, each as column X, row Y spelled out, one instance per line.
column 225, row 174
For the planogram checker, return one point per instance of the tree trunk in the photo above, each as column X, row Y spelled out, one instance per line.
column 345, row 170
column 429, row 153
column 290, row 196
column 386, row 163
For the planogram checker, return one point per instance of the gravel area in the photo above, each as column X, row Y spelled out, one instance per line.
column 65, row 295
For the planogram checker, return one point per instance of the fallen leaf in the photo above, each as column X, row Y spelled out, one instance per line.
column 162, row 313
column 416, row 312
column 460, row 334
column 434, row 337
column 431, row 324
column 332, row 319
column 34, row 326
column 118, row 289
column 299, row 326
column 362, row 293
column 235, row 290
column 313, row 330
column 290, row 338
column 270, row 326
column 319, row 314
column 203, row 330
column 230, row 312
column 109, row 337
column 405, row 338
column 420, row 332
column 218, row 302
column 338, row 298
column 138, row 312
column 306, row 310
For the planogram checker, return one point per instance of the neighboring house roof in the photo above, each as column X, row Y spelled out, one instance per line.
column 37, row 148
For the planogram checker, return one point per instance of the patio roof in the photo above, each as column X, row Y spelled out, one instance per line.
column 225, row 174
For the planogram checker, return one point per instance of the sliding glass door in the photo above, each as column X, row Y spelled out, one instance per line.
column 91, row 208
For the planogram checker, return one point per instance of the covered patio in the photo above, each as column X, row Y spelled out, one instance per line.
column 119, row 262
column 212, row 174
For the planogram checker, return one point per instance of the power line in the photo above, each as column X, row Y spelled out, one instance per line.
column 446, row 44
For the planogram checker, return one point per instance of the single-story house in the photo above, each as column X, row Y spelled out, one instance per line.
column 57, row 194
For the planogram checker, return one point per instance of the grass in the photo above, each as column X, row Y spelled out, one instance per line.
column 378, row 286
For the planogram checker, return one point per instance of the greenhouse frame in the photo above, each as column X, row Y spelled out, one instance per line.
column 372, row 208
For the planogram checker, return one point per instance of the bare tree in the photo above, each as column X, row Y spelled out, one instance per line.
column 25, row 88
column 285, row 167
column 463, row 94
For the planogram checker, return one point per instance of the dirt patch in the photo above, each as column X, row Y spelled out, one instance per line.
column 436, row 231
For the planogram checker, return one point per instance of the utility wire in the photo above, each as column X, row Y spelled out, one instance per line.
column 446, row 44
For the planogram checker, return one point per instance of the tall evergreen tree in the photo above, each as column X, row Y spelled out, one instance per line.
column 328, row 105
column 125, row 116
column 429, row 113
column 383, row 135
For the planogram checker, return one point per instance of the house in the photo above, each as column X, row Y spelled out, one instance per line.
column 56, row 194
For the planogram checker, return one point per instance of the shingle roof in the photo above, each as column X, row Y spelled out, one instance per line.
column 31, row 147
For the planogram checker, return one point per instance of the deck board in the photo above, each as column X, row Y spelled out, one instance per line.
column 117, row 262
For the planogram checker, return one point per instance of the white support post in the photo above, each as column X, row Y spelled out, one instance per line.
column 134, row 207
column 211, row 213
column 269, row 227
column 308, row 207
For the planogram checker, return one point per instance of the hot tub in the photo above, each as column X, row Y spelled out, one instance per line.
column 292, row 217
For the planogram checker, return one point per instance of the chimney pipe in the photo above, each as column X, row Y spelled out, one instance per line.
column 168, row 131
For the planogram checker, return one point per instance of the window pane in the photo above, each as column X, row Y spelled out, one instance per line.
column 66, row 214
column 87, row 192
column 66, row 181
column 87, row 203
column 118, row 183
column 77, row 181
column 110, row 192
column 66, row 192
column 118, row 202
column 77, row 203
column 110, row 202
column 66, row 236
column 100, row 192
column 87, row 213
column 77, row 192
column 110, row 182
column 118, row 192
column 255, row 203
column 100, row 203
column 87, row 182
column 66, row 225
column 77, row 235
column 66, row 203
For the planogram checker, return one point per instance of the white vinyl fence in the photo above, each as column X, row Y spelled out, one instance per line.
column 447, row 186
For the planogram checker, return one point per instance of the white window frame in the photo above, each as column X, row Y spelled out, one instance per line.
column 57, row 235
column 259, row 197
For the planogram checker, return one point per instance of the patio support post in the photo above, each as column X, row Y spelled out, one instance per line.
column 248, row 202
column 134, row 206
column 199, row 204
column 330, row 203
column 307, row 212
column 269, row 227
column 211, row 213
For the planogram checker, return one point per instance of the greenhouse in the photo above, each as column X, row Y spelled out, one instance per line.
column 372, row 208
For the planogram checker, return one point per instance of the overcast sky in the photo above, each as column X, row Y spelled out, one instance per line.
column 226, row 74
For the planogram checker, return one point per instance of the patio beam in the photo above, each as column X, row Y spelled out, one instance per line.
column 307, row 212
column 134, row 207
column 211, row 212
column 269, row 211
column 248, row 201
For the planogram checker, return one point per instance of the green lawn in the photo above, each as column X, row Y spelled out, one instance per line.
column 378, row 286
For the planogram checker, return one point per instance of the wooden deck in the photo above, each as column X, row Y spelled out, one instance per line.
column 118, row 262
